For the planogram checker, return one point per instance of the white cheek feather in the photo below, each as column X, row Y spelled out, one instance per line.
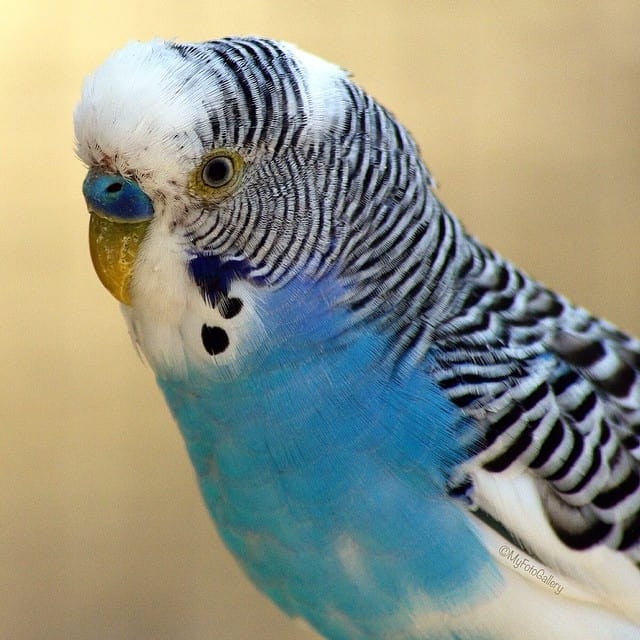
column 160, row 291
column 169, row 312
column 246, row 333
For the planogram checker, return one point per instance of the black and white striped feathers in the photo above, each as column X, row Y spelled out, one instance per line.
column 553, row 390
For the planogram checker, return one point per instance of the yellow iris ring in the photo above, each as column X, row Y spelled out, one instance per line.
column 206, row 193
column 114, row 247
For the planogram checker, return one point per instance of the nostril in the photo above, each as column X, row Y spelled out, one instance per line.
column 114, row 187
column 114, row 197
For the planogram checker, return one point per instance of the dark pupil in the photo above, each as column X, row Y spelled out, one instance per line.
column 217, row 172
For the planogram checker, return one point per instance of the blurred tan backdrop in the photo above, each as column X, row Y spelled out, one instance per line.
column 529, row 116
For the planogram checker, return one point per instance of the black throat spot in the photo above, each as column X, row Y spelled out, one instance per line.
column 213, row 278
column 214, row 339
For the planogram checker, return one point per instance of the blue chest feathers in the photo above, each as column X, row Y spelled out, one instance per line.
column 324, row 470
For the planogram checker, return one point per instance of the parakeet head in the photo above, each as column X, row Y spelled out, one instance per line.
column 221, row 170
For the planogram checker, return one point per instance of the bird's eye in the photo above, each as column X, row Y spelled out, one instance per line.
column 218, row 171
column 217, row 175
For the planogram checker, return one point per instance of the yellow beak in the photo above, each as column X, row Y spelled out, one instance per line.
column 114, row 247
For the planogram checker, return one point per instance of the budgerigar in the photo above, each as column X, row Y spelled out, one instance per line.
column 397, row 433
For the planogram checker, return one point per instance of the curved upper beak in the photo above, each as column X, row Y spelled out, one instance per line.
column 120, row 215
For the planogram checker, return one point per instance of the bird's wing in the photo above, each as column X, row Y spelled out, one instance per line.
column 554, row 467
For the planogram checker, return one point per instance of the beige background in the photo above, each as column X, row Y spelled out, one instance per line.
column 529, row 117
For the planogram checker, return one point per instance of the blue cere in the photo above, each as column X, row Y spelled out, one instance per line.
column 112, row 196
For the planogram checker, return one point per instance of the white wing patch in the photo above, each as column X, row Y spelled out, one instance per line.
column 592, row 584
